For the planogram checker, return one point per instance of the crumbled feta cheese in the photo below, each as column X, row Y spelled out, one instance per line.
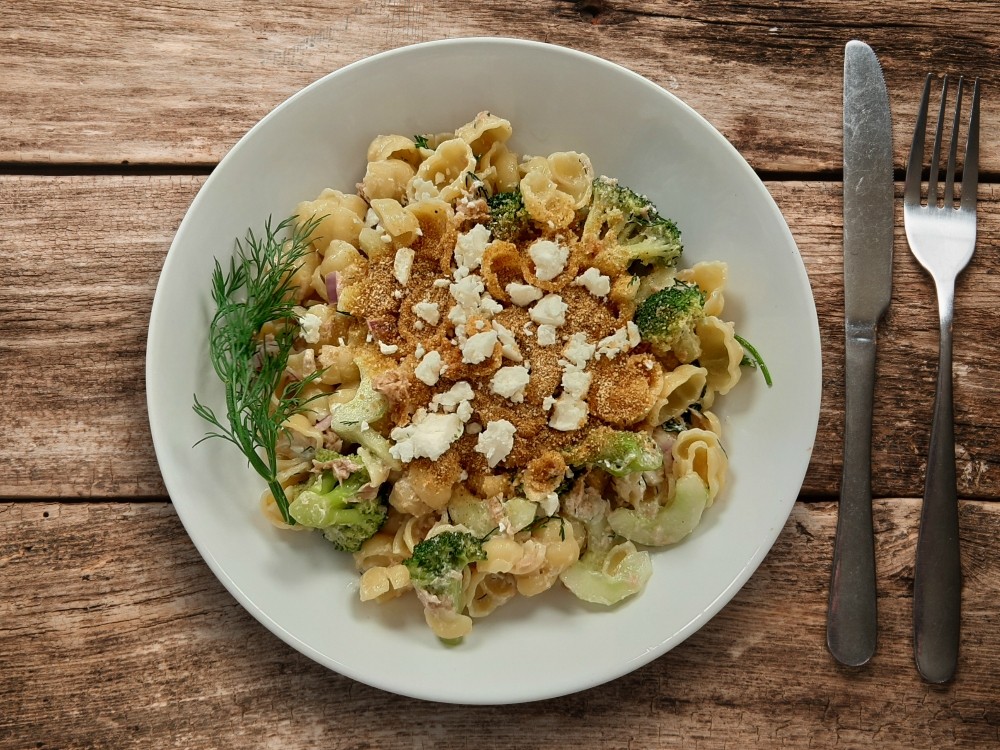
column 427, row 311
column 458, row 316
column 473, row 428
column 442, row 283
column 576, row 383
column 452, row 398
column 477, row 348
column 496, row 441
column 429, row 436
column 402, row 265
column 423, row 189
column 549, row 504
column 546, row 335
column 387, row 348
column 547, row 403
column 470, row 245
column 309, row 325
column 464, row 411
column 490, row 305
column 397, row 293
column 549, row 310
column 569, row 413
column 371, row 219
column 549, row 258
column 419, row 351
column 508, row 343
column 634, row 337
column 480, row 324
column 578, row 351
column 523, row 295
column 613, row 345
column 510, row 382
column 429, row 369
column 467, row 291
column 595, row 282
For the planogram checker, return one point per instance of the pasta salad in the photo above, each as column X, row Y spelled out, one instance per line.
column 481, row 373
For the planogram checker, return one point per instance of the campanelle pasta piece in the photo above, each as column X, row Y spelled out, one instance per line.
column 387, row 147
column 484, row 131
column 443, row 174
column 387, row 179
column 699, row 452
column 384, row 583
column 487, row 591
column 340, row 217
column 721, row 354
column 573, row 173
column 681, row 388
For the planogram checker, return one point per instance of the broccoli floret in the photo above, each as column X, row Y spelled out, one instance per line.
column 667, row 320
column 629, row 229
column 333, row 506
column 618, row 452
column 508, row 216
column 437, row 564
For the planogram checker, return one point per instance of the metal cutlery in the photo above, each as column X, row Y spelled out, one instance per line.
column 942, row 237
column 868, row 237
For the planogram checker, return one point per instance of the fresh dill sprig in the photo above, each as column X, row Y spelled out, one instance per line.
column 256, row 290
column 753, row 359
column 420, row 141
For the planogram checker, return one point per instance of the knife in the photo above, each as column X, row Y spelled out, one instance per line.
column 868, row 232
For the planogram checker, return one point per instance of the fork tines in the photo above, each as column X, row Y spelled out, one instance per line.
column 970, row 162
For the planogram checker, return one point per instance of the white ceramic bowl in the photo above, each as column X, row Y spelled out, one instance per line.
column 557, row 99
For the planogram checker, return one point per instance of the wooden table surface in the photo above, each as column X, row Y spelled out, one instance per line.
column 113, row 631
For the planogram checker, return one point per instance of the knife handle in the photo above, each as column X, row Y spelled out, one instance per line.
column 851, row 616
column 937, row 574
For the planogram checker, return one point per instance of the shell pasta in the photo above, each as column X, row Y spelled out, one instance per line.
column 503, row 380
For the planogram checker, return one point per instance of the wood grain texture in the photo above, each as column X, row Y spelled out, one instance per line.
column 115, row 634
column 84, row 81
column 74, row 308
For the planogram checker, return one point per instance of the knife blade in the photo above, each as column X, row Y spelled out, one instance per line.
column 868, row 236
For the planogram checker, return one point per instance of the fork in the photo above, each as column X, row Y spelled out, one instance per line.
column 942, row 237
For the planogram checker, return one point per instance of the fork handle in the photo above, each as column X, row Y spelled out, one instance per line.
column 937, row 575
column 852, row 613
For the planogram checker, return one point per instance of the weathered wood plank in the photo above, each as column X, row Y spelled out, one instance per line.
column 74, row 307
column 83, row 81
column 114, row 633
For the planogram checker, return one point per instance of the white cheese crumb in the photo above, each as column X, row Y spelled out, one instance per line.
column 547, row 403
column 402, row 265
column 549, row 310
column 634, row 337
column 473, row 428
column 510, row 382
column 442, row 283
column 387, row 348
column 477, row 348
column 546, row 335
column 419, row 351
column 578, row 351
column 496, row 441
column 429, row 369
column 576, row 383
column 613, row 345
column 397, row 293
column 423, row 189
column 452, row 398
column 464, row 411
column 490, row 305
column 427, row 311
column 549, row 504
column 595, row 282
column 309, row 325
column 429, row 436
column 569, row 413
column 508, row 343
column 549, row 258
column 523, row 295
column 467, row 290
column 469, row 247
